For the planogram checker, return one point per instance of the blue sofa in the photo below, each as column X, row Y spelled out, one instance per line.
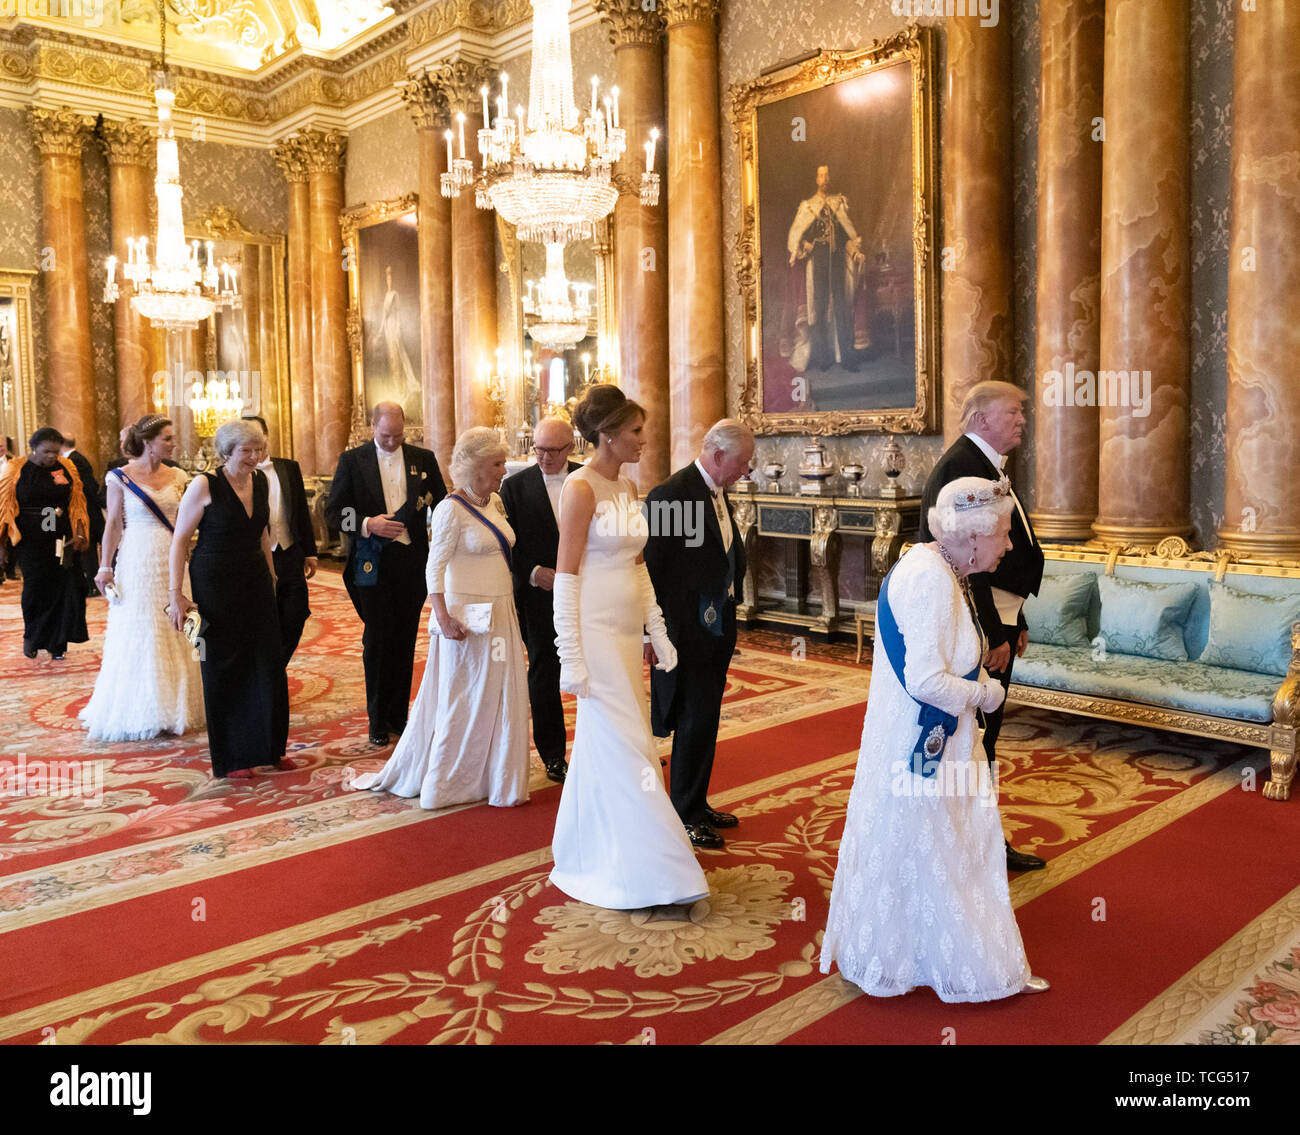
column 1193, row 642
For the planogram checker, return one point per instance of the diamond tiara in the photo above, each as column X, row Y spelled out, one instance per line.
column 981, row 498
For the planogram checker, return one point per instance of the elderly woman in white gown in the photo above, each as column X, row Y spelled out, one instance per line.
column 467, row 737
column 920, row 894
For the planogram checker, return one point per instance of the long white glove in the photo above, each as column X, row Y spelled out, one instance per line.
column 653, row 617
column 574, row 678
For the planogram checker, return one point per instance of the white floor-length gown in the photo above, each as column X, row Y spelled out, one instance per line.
column 920, row 894
column 467, row 736
column 149, row 680
column 618, row 841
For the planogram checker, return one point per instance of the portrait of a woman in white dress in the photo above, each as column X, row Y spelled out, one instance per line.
column 405, row 382
column 467, row 735
column 920, row 896
column 618, row 841
column 149, row 680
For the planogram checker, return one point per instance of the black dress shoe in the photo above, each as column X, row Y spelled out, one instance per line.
column 719, row 819
column 29, row 653
column 705, row 837
column 378, row 738
column 556, row 770
column 1021, row 861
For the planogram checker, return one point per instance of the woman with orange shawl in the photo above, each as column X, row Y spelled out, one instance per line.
column 43, row 517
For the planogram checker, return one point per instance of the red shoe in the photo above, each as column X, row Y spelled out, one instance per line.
column 240, row 774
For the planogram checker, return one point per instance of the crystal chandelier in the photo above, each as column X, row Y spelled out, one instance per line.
column 175, row 291
column 548, row 175
column 214, row 401
column 560, row 310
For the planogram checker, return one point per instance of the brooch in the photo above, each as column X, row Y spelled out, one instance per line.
column 934, row 741
column 367, row 567
column 424, row 501
column 710, row 615
column 413, row 470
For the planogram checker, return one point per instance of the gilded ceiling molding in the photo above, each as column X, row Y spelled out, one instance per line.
column 691, row 12
column 130, row 143
column 426, row 102
column 288, row 154
column 63, row 131
column 322, row 150
column 461, row 79
column 629, row 24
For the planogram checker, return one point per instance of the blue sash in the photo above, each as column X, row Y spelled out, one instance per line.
column 505, row 544
column 936, row 726
column 149, row 502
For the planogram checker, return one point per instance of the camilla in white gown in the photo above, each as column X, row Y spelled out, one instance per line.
column 467, row 735
column 149, row 680
column 618, row 841
column 920, row 894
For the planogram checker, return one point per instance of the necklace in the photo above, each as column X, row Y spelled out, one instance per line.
column 964, row 583
column 474, row 498
column 951, row 563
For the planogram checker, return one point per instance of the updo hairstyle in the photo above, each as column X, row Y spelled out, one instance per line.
column 604, row 409
column 142, row 432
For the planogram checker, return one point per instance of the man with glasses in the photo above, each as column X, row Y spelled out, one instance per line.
column 532, row 501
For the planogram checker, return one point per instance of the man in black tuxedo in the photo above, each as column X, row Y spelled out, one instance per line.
column 89, row 558
column 532, row 501
column 380, row 500
column 697, row 562
column 293, row 543
column 993, row 419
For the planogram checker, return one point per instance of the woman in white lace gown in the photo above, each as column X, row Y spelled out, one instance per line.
column 618, row 841
column 149, row 680
column 467, row 736
column 920, row 894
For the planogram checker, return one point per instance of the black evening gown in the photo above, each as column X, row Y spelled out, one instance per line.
column 54, row 599
column 245, row 690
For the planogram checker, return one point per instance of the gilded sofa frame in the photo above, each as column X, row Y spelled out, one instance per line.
column 1278, row 736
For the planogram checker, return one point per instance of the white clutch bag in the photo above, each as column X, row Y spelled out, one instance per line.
column 474, row 617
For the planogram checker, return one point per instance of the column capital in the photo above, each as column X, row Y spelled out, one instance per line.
column 692, row 12
column 61, row 131
column 461, row 79
column 291, row 156
column 322, row 150
column 426, row 101
column 629, row 22
column 129, row 143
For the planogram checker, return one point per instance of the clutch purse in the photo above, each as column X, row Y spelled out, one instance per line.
column 193, row 626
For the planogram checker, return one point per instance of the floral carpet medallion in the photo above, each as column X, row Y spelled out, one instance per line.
column 1269, row 1012
column 735, row 921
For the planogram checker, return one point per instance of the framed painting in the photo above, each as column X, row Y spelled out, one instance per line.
column 383, row 253
column 836, row 261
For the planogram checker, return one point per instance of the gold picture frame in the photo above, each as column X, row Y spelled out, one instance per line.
column 352, row 222
column 905, row 61
column 17, row 357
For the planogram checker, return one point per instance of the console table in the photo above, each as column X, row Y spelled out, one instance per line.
column 887, row 523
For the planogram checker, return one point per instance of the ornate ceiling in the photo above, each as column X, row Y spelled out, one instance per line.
column 251, row 69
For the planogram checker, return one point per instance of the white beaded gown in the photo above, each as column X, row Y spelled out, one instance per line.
column 149, row 680
column 467, row 735
column 920, row 894
column 618, row 841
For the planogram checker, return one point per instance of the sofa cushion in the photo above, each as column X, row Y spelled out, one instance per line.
column 1145, row 618
column 1189, row 686
column 1058, row 614
column 1249, row 631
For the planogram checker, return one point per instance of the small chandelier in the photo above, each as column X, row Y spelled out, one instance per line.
column 560, row 310
column 548, row 175
column 175, row 291
column 214, row 401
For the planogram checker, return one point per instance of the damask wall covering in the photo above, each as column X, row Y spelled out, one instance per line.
column 382, row 159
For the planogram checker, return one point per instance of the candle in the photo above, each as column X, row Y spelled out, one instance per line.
column 447, row 135
column 112, row 268
column 460, row 122
column 487, row 121
column 650, row 152
column 615, row 107
column 594, row 82
column 209, row 253
column 586, row 367
column 609, row 114
column 501, row 108
column 519, row 113
column 505, row 88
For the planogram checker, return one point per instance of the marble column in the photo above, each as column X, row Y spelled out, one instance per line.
column 977, row 214
column 641, row 232
column 291, row 159
column 427, row 104
column 473, row 251
column 1069, row 267
column 60, row 135
column 331, row 365
column 1143, row 484
column 697, row 374
column 130, row 148
column 1262, row 499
